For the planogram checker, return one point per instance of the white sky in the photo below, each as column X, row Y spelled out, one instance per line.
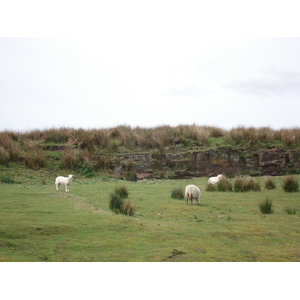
column 148, row 63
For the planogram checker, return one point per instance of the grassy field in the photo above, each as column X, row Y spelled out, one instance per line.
column 38, row 223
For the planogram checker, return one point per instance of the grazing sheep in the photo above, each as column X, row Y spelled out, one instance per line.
column 63, row 180
column 192, row 192
column 215, row 180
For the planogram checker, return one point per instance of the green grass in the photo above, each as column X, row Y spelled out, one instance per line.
column 37, row 223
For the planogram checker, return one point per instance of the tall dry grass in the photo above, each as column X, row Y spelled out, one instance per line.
column 9, row 149
column 34, row 156
column 147, row 138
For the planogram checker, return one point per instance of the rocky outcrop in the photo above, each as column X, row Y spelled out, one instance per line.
column 211, row 162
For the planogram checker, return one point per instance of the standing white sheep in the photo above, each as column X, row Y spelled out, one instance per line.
column 215, row 180
column 63, row 180
column 192, row 192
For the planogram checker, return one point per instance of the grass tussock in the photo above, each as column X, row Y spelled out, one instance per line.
column 223, row 185
column 290, row 184
column 245, row 184
column 34, row 156
column 177, row 193
column 291, row 210
column 118, row 204
column 9, row 149
column 270, row 183
column 266, row 207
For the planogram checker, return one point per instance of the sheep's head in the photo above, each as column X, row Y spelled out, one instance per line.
column 220, row 175
column 71, row 176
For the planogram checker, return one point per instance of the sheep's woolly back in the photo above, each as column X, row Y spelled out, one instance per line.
column 214, row 180
column 192, row 192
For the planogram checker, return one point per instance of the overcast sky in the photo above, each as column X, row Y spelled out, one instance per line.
column 146, row 65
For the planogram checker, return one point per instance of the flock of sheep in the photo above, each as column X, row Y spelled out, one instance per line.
column 192, row 192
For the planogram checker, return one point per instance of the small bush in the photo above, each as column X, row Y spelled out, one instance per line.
column 270, row 184
column 290, row 184
column 291, row 210
column 266, row 207
column 245, row 184
column 177, row 193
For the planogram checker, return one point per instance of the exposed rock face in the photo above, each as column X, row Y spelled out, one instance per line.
column 213, row 162
column 273, row 162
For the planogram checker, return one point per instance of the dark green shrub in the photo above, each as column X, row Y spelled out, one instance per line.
column 122, row 191
column 177, row 193
column 115, row 202
column 290, row 184
column 270, row 184
column 266, row 207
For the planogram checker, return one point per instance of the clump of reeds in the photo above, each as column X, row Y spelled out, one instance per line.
column 270, row 184
column 223, row 185
column 122, row 191
column 34, row 156
column 266, row 207
column 211, row 187
column 104, row 163
column 4, row 156
column 290, row 184
column 69, row 159
column 177, row 193
column 245, row 183
column 128, row 208
column 9, row 150
column 289, row 137
column 117, row 203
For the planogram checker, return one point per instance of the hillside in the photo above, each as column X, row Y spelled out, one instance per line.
column 161, row 152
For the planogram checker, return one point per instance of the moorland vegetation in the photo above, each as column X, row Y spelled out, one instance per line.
column 74, row 149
